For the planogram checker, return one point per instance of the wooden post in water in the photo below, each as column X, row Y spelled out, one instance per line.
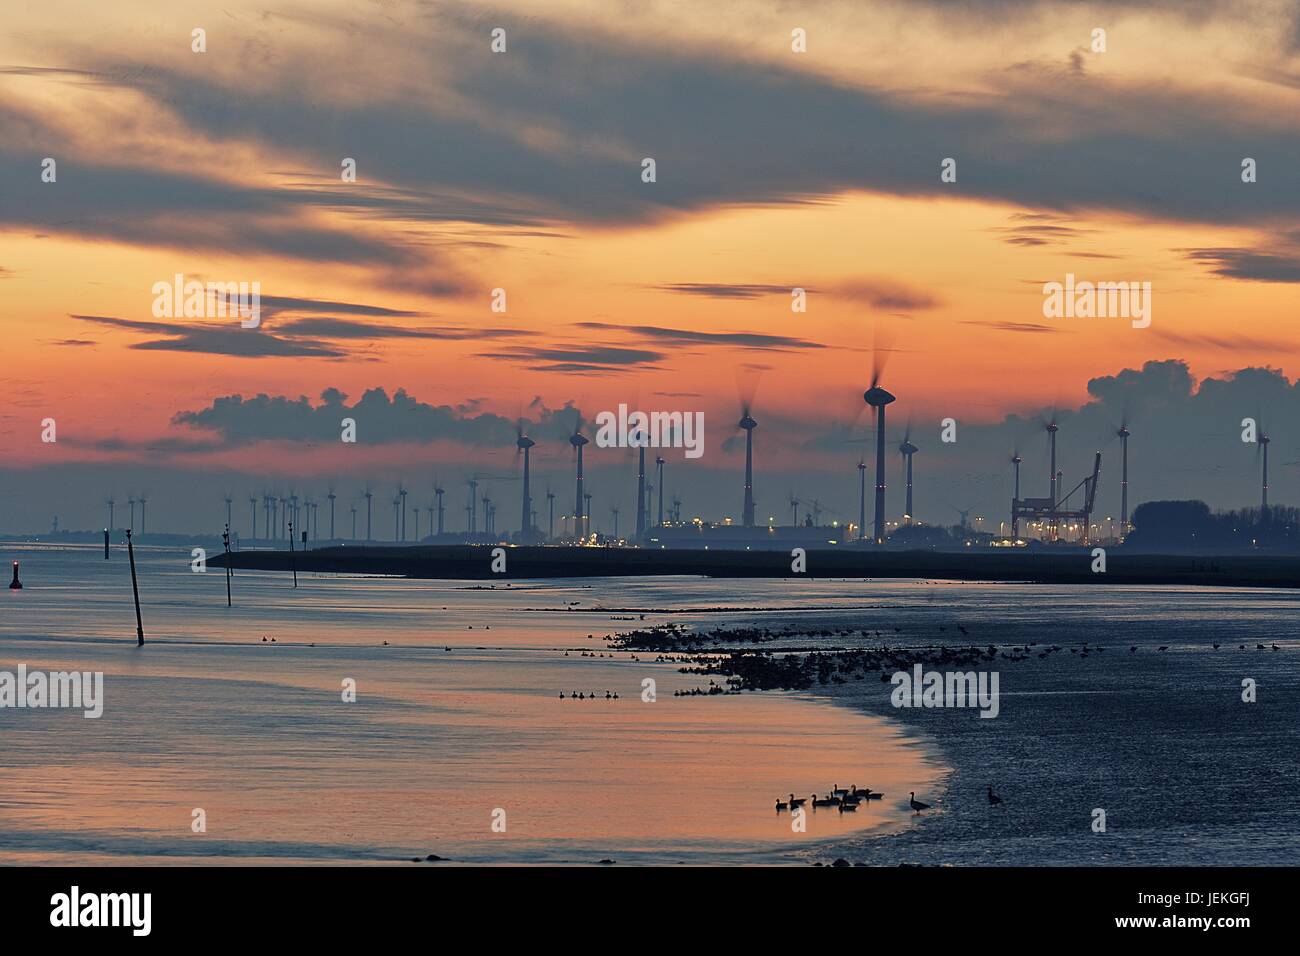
column 293, row 561
column 225, row 540
column 135, row 590
column 105, row 544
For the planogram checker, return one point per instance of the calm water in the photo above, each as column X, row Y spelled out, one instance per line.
column 456, row 718
column 459, row 716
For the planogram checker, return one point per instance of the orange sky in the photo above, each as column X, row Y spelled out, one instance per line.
column 522, row 170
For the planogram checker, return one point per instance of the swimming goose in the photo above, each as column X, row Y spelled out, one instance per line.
column 828, row 802
column 847, row 807
column 917, row 805
column 797, row 803
column 781, row 806
column 994, row 799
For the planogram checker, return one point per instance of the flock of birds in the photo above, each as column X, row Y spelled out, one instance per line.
column 846, row 801
column 578, row 695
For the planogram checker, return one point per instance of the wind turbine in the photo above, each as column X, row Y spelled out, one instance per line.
column 109, row 501
column 1015, row 518
column 143, row 500
column 550, row 505
column 577, row 440
column 401, row 493
column 877, row 398
column 524, row 444
column 438, row 490
column 252, row 512
column 369, row 494
column 331, row 496
column 748, row 424
column 907, row 449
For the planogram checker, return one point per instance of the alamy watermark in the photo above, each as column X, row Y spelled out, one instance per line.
column 946, row 689
column 192, row 299
column 651, row 430
column 1101, row 300
column 82, row 690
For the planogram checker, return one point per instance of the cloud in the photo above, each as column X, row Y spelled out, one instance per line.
column 727, row 291
column 887, row 294
column 592, row 358
column 328, row 328
column 380, row 419
column 1034, row 327
column 229, row 339
column 555, row 132
column 1247, row 264
column 749, row 340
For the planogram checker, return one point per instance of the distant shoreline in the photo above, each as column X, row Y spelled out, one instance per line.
column 1066, row 566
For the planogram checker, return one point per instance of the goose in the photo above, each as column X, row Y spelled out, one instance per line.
column 1275, row 647
column 1259, row 647
column 797, row 803
column 1216, row 647
column 994, row 799
column 847, row 807
column 836, row 791
column 828, row 802
column 917, row 805
column 781, row 806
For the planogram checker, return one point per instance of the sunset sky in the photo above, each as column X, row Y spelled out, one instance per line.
column 522, row 170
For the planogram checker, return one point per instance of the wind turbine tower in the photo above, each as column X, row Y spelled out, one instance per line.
column 908, row 450
column 748, row 424
column 1123, row 434
column 525, row 444
column 878, row 398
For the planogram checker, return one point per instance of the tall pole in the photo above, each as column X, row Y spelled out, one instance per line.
column 880, row 474
column 1264, row 440
column 862, row 500
column 293, row 561
column 640, row 488
column 659, row 461
column 225, row 541
column 909, row 487
column 135, row 591
column 1015, row 517
column 252, row 513
column 354, row 522
column 1123, row 483
column 332, row 496
column 369, row 525
column 550, row 524
column 438, row 492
